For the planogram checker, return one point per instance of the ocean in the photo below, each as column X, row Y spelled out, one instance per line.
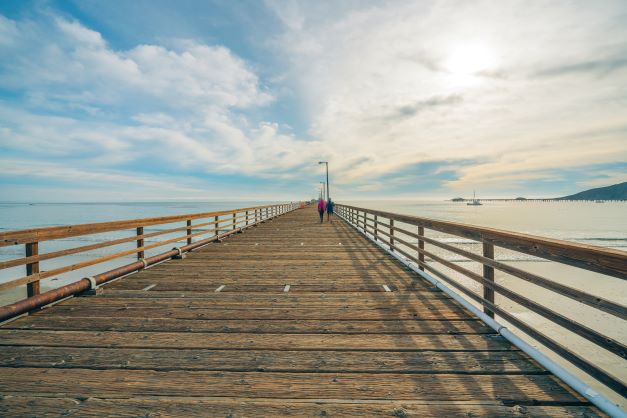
column 600, row 224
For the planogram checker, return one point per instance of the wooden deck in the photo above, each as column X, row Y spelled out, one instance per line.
column 290, row 318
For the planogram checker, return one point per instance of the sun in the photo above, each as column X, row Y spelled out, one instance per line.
column 470, row 60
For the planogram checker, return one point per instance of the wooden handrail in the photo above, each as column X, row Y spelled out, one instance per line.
column 601, row 260
column 570, row 292
column 32, row 237
column 25, row 236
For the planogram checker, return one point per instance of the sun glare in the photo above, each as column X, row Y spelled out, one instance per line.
column 470, row 60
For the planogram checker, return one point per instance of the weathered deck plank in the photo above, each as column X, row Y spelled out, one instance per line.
column 527, row 389
column 337, row 343
column 451, row 362
column 285, row 326
column 246, row 407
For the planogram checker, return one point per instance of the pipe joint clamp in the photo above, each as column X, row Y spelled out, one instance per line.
column 92, row 282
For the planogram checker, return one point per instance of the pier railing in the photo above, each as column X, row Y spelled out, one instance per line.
column 218, row 224
column 393, row 232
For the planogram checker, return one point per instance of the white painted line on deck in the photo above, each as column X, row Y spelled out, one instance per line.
column 286, row 288
column 149, row 287
column 386, row 288
column 219, row 289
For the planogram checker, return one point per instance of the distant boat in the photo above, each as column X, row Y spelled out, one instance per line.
column 475, row 201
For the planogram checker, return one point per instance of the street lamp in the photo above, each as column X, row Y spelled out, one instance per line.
column 327, row 164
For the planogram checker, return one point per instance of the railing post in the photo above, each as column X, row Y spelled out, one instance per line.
column 189, row 231
column 140, row 242
column 234, row 216
column 421, row 245
column 246, row 218
column 32, row 288
column 391, row 234
column 488, row 274
column 215, row 225
column 376, row 228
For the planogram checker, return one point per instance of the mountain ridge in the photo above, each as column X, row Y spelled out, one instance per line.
column 613, row 192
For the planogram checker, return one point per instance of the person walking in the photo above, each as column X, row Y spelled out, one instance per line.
column 322, row 206
column 330, row 207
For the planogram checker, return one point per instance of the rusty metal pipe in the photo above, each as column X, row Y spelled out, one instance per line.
column 21, row 307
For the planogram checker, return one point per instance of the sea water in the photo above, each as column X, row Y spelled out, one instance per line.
column 590, row 223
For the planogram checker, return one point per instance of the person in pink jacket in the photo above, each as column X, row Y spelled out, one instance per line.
column 322, row 206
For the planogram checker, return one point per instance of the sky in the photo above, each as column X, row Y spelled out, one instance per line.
column 217, row 100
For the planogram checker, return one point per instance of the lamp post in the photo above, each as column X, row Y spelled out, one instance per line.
column 327, row 165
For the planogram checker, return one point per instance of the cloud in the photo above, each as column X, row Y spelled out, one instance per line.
column 369, row 82
column 180, row 108
column 131, row 182
column 604, row 177
column 380, row 97
column 430, row 103
column 64, row 60
column 597, row 67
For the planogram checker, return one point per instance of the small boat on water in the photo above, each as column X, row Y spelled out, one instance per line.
column 475, row 201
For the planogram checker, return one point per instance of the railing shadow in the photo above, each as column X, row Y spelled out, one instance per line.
column 407, row 300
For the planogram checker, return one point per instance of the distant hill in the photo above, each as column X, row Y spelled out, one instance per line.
column 614, row 192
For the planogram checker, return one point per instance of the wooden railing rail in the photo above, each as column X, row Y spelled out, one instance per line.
column 389, row 229
column 222, row 223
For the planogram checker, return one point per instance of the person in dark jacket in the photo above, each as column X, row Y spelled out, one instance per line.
column 330, row 207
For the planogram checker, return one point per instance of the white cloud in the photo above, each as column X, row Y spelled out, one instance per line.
column 65, row 60
column 375, row 78
column 606, row 178
column 8, row 31
column 178, row 107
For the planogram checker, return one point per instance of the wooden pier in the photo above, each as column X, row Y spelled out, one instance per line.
column 291, row 318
